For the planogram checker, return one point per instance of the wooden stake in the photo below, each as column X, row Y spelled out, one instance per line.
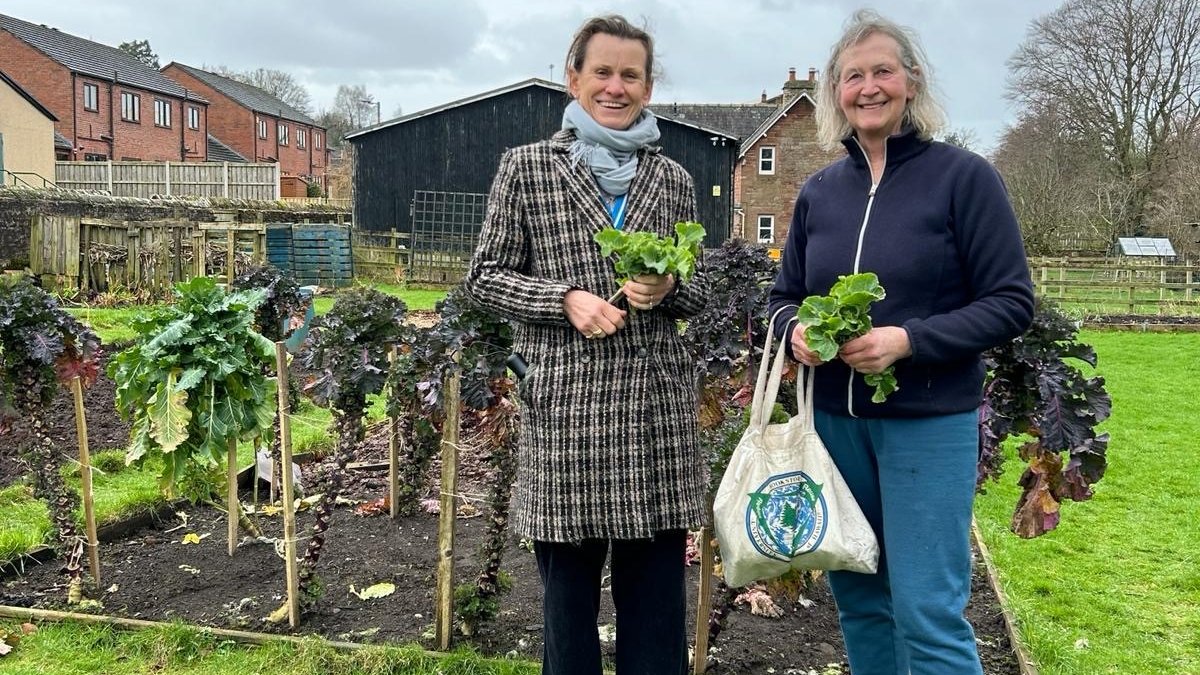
column 85, row 474
column 230, row 257
column 231, row 496
column 444, row 614
column 394, row 451
column 289, row 510
column 703, row 601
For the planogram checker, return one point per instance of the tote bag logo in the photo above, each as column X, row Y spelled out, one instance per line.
column 786, row 516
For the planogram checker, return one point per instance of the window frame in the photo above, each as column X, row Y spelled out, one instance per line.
column 317, row 140
column 766, row 165
column 94, row 90
column 193, row 113
column 301, row 141
column 281, row 134
column 131, row 102
column 262, row 127
column 769, row 220
column 162, row 112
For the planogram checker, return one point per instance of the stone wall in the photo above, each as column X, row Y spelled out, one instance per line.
column 19, row 206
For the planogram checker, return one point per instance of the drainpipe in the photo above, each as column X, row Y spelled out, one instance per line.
column 112, row 129
column 74, row 113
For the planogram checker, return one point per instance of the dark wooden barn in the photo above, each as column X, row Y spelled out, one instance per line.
column 427, row 174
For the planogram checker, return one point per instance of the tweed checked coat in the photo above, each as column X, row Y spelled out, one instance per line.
column 609, row 433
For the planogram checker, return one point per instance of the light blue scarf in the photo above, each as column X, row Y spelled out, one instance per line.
column 611, row 154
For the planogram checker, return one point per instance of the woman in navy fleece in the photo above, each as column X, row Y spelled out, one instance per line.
column 935, row 223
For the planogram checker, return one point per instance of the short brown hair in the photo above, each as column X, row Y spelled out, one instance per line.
column 616, row 26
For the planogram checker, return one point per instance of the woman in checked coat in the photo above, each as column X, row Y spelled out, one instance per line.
column 609, row 456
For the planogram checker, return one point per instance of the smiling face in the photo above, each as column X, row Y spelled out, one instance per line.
column 873, row 88
column 613, row 85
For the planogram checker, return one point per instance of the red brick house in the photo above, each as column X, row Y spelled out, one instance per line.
column 109, row 105
column 260, row 126
column 778, row 152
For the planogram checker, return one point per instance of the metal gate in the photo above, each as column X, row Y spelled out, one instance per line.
column 445, row 230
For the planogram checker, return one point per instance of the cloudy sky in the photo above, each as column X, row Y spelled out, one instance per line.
column 416, row 54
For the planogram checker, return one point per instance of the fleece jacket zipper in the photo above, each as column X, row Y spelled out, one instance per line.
column 862, row 233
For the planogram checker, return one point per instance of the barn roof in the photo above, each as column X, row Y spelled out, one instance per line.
column 531, row 82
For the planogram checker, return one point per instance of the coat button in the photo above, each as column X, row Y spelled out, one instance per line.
column 642, row 351
column 586, row 358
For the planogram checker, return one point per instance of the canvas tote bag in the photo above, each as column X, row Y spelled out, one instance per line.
column 782, row 504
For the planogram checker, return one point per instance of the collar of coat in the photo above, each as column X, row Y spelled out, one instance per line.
column 584, row 193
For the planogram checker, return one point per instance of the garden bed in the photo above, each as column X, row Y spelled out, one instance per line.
column 150, row 574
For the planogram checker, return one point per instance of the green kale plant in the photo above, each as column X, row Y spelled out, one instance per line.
column 194, row 380
column 833, row 320
column 640, row 253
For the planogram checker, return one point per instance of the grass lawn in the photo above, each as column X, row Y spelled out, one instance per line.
column 415, row 298
column 1116, row 588
column 78, row 649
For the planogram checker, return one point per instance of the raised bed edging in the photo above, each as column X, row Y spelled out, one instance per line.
column 1024, row 662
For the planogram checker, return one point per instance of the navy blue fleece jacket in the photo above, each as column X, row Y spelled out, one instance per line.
column 939, row 231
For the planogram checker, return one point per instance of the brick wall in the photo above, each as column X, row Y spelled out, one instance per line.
column 797, row 156
column 237, row 127
column 102, row 131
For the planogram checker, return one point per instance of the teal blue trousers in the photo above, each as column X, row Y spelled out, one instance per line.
column 915, row 481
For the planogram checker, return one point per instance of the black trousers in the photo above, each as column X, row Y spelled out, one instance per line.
column 648, row 591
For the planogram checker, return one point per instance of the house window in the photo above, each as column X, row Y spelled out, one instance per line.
column 766, row 229
column 766, row 160
column 262, row 128
column 283, row 134
column 91, row 97
column 316, row 140
column 162, row 113
column 94, row 157
column 131, row 107
column 300, row 140
column 193, row 117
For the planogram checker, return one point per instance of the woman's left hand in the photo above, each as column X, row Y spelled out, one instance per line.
column 645, row 291
column 878, row 349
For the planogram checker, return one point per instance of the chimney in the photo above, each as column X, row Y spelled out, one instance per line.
column 812, row 74
column 792, row 74
column 764, row 96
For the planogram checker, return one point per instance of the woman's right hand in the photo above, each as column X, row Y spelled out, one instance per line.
column 800, row 348
column 592, row 315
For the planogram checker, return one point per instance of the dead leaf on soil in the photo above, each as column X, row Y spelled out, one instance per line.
column 189, row 569
column 380, row 590
column 193, row 538
column 373, row 508
column 5, row 647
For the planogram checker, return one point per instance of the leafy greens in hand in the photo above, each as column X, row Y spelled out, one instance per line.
column 646, row 253
column 833, row 320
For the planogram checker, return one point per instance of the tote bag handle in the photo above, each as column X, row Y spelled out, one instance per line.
column 767, row 387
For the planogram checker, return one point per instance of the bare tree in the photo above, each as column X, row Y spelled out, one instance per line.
column 1125, row 73
column 962, row 137
column 279, row 84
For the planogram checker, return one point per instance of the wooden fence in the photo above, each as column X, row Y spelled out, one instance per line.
column 1119, row 285
column 92, row 254
column 383, row 256
column 147, row 179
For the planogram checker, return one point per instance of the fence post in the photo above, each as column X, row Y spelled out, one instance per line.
column 225, row 179
column 108, row 177
column 1187, row 293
